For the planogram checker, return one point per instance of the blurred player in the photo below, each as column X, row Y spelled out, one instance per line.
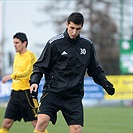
column 20, row 104
column 64, row 61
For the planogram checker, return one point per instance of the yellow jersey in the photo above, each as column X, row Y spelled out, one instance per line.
column 22, row 69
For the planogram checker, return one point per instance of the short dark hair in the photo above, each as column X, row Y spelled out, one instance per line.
column 76, row 18
column 21, row 36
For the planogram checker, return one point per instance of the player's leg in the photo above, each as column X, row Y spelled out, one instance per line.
column 11, row 114
column 37, row 131
column 34, row 124
column 47, row 111
column 42, row 123
column 73, row 114
column 75, row 128
column 7, row 123
column 45, row 131
column 40, row 132
column 31, row 111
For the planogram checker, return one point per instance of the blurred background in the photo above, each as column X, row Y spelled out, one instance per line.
column 108, row 24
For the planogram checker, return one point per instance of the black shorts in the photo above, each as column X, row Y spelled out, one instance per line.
column 20, row 106
column 71, row 108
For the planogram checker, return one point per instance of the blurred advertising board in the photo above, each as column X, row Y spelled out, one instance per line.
column 123, row 86
column 92, row 91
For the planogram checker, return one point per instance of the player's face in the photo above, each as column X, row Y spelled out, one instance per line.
column 19, row 46
column 73, row 30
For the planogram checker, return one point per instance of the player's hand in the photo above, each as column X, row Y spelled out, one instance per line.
column 6, row 78
column 33, row 87
column 109, row 89
column 33, row 90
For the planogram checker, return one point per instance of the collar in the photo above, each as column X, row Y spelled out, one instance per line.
column 69, row 39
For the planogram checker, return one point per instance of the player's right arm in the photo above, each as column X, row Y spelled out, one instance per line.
column 6, row 78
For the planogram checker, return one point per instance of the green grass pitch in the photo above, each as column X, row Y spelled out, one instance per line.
column 96, row 120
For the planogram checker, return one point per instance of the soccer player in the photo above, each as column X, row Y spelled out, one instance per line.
column 20, row 104
column 64, row 61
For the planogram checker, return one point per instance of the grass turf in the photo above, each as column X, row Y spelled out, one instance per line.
column 96, row 120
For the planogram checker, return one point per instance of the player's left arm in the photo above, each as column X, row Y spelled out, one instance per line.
column 96, row 72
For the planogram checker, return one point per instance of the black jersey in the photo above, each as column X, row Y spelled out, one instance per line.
column 64, row 62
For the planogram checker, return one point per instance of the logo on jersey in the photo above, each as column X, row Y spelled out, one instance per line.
column 82, row 51
column 64, row 53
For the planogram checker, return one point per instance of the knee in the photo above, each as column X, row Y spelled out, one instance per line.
column 75, row 128
column 43, row 120
column 34, row 123
column 7, row 123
